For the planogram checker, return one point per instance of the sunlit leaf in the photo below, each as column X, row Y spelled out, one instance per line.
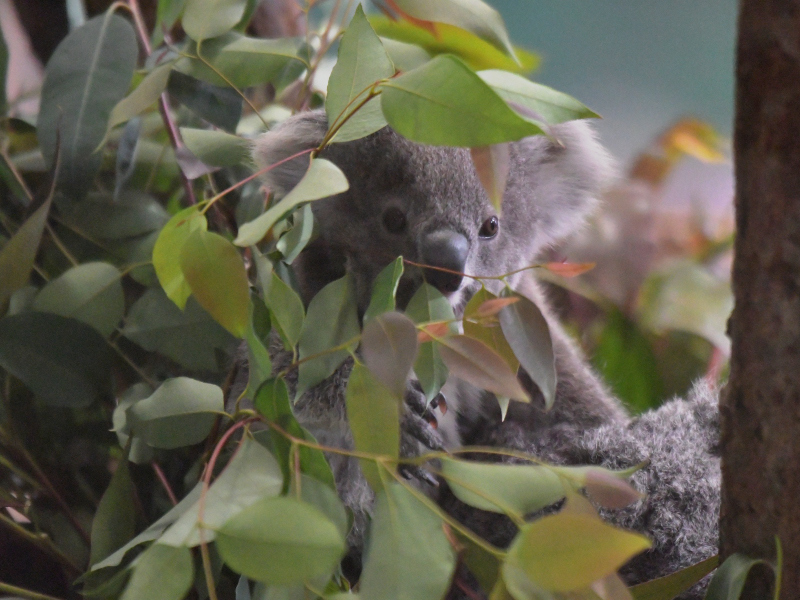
column 216, row 148
column 167, row 252
column 432, row 103
column 528, row 334
column 87, row 75
column 204, row 19
column 18, row 254
column 179, row 413
column 162, row 572
column 389, row 347
column 294, row 241
column 280, row 541
column 567, row 551
column 217, row 277
column 322, row 179
column 362, row 61
column 492, row 164
column 409, row 556
column 384, row 290
column 90, row 292
column 373, row 412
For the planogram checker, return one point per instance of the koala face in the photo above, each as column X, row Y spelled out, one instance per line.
column 427, row 204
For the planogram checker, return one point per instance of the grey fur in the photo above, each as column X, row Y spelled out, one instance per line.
column 553, row 184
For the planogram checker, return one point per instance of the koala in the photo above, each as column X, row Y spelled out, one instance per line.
column 427, row 204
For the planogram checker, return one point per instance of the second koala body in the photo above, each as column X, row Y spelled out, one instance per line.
column 426, row 204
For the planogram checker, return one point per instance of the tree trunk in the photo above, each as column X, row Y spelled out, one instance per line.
column 760, row 408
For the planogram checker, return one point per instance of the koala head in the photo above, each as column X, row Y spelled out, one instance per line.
column 427, row 204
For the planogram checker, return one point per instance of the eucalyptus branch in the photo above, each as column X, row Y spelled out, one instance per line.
column 333, row 130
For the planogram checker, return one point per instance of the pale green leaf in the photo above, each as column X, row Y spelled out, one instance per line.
column 384, row 290
column 204, row 19
column 389, row 347
column 728, row 582
column 426, row 305
column 161, row 572
column 322, row 179
column 216, row 148
column 19, row 253
column 167, row 252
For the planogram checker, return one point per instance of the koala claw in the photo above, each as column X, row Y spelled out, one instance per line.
column 414, row 472
column 420, row 430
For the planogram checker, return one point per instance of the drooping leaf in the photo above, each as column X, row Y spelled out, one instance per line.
column 428, row 304
column 526, row 331
column 19, row 253
column 114, row 522
column 139, row 451
column 728, row 582
column 280, row 541
column 220, row 106
column 331, row 321
column 162, row 572
column 322, row 179
column 87, row 75
column 472, row 15
column 179, row 413
column 259, row 364
column 431, row 104
column 609, row 490
column 90, row 292
column 568, row 551
column 286, row 306
column 250, row 476
column 127, row 151
column 476, row 363
column 384, row 290
column 501, row 488
column 534, row 100
column 190, row 337
column 389, row 348
column 216, row 148
column 62, row 361
column 669, row 586
column 204, row 19
column 373, row 412
column 492, row 164
column 362, row 62
column 217, row 277
column 140, row 99
column 296, row 239
column 409, row 556
column 167, row 252
column 480, row 306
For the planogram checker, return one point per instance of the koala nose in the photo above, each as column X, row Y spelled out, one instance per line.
column 447, row 250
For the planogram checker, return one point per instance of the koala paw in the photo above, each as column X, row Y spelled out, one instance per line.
column 418, row 425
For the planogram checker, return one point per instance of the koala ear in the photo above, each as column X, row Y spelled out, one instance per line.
column 562, row 178
column 300, row 132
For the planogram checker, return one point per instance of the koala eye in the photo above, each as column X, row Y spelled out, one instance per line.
column 394, row 220
column 489, row 228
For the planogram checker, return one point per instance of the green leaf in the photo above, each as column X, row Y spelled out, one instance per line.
column 90, row 292
column 145, row 95
column 179, row 413
column 280, row 541
column 322, row 179
column 161, row 572
column 3, row 74
column 389, row 347
column 728, row 582
column 501, row 488
column 384, row 290
column 250, row 476
column 87, row 75
column 296, row 239
column 19, row 253
column 426, row 305
column 130, row 215
column 472, row 15
column 168, row 249
column 568, row 551
column 490, row 333
column 670, row 586
column 259, row 364
column 362, row 62
column 139, row 452
column 167, row 14
column 474, row 51
column 476, row 363
column 245, row 61
column 114, row 522
column 544, row 103
column 528, row 334
column 272, row 401
column 373, row 412
column 286, row 306
column 220, row 106
column 62, row 361
column 217, row 277
column 331, row 321
column 190, row 337
column 324, row 497
column 409, row 556
column 431, row 104
column 204, row 19
column 216, row 148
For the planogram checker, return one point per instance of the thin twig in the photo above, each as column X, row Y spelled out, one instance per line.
column 23, row 593
column 42, row 542
column 164, row 483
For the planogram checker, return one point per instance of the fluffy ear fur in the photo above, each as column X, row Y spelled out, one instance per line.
column 301, row 132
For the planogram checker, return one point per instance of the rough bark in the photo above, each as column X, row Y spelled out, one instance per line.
column 761, row 406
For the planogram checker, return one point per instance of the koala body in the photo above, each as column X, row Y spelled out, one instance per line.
column 427, row 204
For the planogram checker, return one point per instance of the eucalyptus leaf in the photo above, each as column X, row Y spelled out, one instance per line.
column 179, row 413
column 488, row 331
column 161, row 572
column 324, row 497
column 294, row 241
column 322, row 179
column 426, row 305
column 19, row 253
column 384, row 289
column 259, row 364
column 89, row 72
column 362, row 62
column 114, row 522
column 728, row 582
column 216, row 148
column 670, row 586
column 204, row 19
column 389, row 348
column 3, row 73
column 130, row 215
column 167, row 14
column 286, row 306
column 167, row 252
column 89, row 292
column 220, row 106
column 139, row 451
